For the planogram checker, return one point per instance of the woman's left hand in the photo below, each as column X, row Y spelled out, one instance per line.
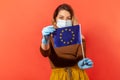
column 85, row 63
column 75, row 21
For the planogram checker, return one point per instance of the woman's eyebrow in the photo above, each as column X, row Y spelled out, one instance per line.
column 61, row 15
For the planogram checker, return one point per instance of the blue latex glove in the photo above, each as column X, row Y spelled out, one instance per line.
column 46, row 33
column 85, row 63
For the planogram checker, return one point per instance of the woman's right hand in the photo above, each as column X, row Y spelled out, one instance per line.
column 46, row 34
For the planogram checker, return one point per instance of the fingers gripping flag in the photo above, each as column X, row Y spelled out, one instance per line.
column 67, row 36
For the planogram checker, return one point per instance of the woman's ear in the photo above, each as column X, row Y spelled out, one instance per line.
column 54, row 23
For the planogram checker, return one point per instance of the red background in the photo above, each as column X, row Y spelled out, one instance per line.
column 21, row 22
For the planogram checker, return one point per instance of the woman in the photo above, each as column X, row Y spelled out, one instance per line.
column 64, row 60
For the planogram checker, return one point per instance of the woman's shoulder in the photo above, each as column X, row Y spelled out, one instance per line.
column 49, row 26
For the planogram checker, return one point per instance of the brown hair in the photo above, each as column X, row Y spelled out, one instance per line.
column 63, row 7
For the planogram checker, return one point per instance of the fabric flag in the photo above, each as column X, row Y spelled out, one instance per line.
column 67, row 36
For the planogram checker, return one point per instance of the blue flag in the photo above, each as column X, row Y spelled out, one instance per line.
column 67, row 36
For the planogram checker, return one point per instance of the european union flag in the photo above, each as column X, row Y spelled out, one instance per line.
column 67, row 36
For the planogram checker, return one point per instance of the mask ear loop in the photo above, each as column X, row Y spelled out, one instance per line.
column 72, row 21
column 83, row 54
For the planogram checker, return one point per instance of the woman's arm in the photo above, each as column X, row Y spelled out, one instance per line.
column 45, row 46
column 84, row 44
column 81, row 54
column 45, row 49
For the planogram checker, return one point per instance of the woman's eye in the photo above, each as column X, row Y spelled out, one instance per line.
column 61, row 18
column 64, row 18
column 69, row 18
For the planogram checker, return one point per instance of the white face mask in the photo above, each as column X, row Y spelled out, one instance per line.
column 64, row 23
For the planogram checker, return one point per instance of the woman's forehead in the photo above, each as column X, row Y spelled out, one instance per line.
column 64, row 13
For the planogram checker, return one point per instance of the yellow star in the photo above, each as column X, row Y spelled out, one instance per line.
column 61, row 40
column 60, row 34
column 69, row 29
column 72, row 31
column 60, row 37
column 73, row 35
column 71, row 41
column 68, row 42
column 65, row 29
column 62, row 30
column 73, row 38
column 64, row 42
